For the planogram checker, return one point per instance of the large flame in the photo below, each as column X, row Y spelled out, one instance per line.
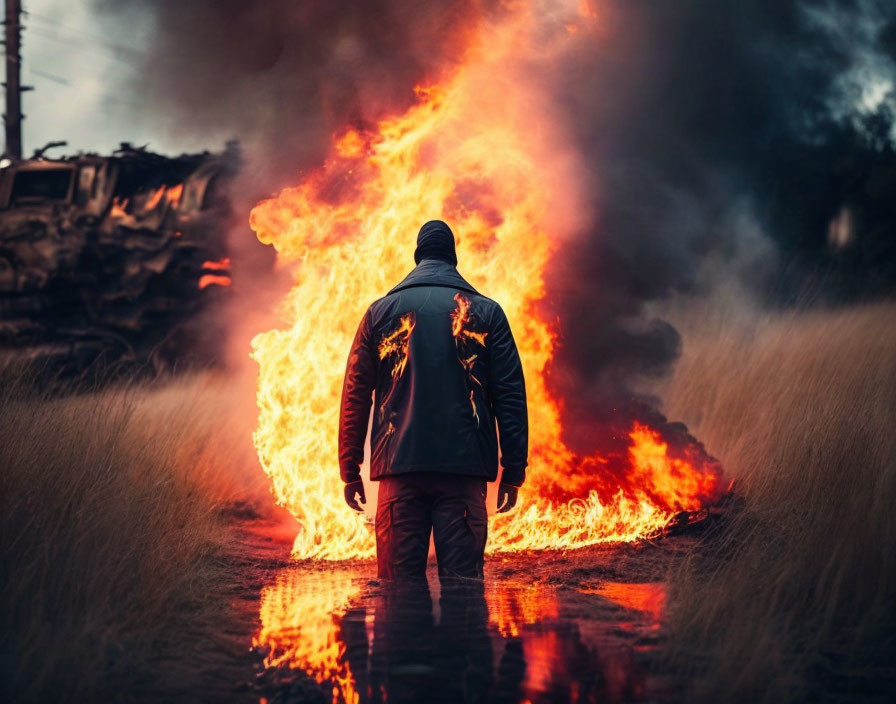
column 480, row 149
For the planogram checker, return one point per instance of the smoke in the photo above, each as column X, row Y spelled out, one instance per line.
column 283, row 75
column 724, row 140
column 750, row 140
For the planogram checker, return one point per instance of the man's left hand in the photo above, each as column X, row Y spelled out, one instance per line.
column 353, row 492
column 506, row 497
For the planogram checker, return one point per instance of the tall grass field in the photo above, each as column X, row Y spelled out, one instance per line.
column 793, row 598
column 118, row 556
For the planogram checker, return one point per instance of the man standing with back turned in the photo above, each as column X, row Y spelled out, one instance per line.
column 439, row 364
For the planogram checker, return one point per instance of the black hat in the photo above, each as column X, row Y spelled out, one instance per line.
column 435, row 241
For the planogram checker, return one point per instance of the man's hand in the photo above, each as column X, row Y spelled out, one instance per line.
column 506, row 497
column 353, row 491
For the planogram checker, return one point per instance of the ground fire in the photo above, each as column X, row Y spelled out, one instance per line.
column 500, row 174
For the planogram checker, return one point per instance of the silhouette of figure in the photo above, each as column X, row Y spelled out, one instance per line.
column 437, row 362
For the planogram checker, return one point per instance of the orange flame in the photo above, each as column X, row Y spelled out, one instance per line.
column 214, row 280
column 171, row 194
column 118, row 208
column 222, row 264
column 482, row 150
column 396, row 344
column 671, row 479
column 155, row 198
column 460, row 320
column 174, row 193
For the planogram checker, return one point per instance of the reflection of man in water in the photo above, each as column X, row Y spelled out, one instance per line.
column 415, row 658
column 439, row 364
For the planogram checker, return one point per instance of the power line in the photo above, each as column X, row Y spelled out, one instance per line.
column 78, row 33
column 95, row 50
column 49, row 76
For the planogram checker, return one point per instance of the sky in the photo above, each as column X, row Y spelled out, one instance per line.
column 77, row 69
column 80, row 57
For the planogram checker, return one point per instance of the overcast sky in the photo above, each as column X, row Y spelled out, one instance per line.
column 76, row 66
column 82, row 62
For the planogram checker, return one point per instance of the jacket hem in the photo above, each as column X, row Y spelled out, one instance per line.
column 460, row 469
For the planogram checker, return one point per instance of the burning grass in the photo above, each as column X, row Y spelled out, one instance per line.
column 794, row 599
column 114, row 547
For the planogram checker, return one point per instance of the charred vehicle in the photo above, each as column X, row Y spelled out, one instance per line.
column 115, row 261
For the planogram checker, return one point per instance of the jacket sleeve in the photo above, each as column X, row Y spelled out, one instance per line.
column 357, row 397
column 507, row 390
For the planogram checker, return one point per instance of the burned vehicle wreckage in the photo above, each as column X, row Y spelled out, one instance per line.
column 114, row 262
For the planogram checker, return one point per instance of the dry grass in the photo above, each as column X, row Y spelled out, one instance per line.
column 112, row 535
column 113, row 545
column 794, row 599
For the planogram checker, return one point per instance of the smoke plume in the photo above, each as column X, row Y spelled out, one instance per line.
column 748, row 140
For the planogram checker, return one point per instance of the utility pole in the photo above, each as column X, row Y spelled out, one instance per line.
column 13, row 117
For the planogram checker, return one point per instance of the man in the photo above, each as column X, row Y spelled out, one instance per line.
column 438, row 362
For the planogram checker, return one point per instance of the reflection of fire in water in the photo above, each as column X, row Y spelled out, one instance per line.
column 512, row 642
column 300, row 615
column 648, row 598
column 511, row 609
column 481, row 149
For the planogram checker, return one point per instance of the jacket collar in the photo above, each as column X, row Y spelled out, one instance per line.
column 434, row 272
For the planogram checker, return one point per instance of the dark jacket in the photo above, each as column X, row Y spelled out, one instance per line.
column 441, row 366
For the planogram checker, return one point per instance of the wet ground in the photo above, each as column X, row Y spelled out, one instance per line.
column 583, row 626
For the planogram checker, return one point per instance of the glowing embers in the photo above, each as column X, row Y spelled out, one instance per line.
column 221, row 277
column 144, row 202
column 171, row 194
column 469, row 344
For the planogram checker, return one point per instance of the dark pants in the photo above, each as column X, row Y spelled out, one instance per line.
column 411, row 506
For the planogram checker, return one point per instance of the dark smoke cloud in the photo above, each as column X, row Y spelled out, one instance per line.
column 704, row 122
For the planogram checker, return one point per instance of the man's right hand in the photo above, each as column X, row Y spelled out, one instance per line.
column 353, row 491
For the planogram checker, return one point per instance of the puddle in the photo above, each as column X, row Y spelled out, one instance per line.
column 330, row 633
